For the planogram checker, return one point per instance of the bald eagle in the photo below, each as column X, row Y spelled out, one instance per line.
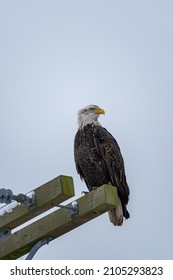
column 99, row 160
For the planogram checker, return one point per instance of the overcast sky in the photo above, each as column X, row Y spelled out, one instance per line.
column 58, row 56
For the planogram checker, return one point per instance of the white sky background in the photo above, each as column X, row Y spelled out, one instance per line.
column 58, row 56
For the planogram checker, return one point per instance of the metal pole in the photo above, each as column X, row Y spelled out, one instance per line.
column 37, row 246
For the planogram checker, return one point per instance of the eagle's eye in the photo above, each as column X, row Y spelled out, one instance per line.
column 93, row 109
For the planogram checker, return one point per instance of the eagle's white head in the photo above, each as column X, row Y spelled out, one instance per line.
column 89, row 115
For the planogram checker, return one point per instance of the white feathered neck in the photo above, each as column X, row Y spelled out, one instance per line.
column 86, row 117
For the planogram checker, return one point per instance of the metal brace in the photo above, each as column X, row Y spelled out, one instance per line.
column 37, row 246
column 73, row 207
column 6, row 196
column 4, row 233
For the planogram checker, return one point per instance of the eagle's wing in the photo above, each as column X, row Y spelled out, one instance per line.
column 109, row 151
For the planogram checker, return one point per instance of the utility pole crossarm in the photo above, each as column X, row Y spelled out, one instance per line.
column 59, row 222
column 47, row 196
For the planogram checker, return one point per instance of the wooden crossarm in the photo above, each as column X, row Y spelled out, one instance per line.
column 47, row 196
column 59, row 222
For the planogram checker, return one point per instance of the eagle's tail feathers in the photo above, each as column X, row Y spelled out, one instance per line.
column 116, row 214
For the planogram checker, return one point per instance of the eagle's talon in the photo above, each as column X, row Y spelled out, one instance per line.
column 84, row 192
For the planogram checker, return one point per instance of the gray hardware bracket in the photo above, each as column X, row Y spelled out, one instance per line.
column 6, row 196
column 73, row 207
column 4, row 233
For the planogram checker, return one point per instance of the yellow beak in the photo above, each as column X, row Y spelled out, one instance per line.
column 100, row 111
